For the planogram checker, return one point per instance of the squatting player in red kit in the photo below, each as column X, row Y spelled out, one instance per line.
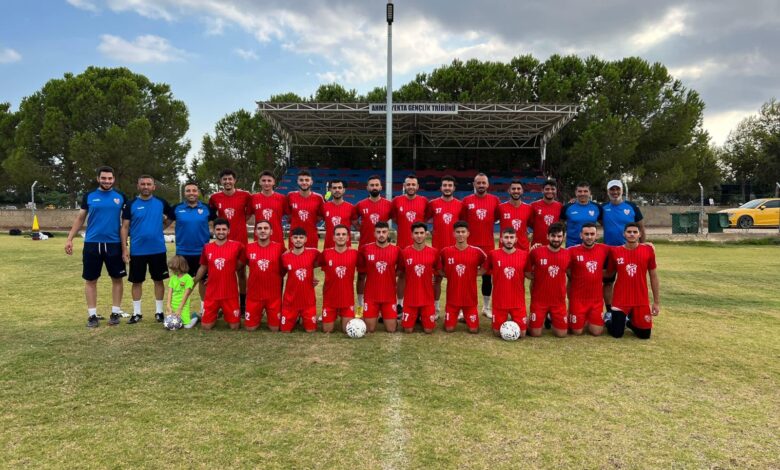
column 221, row 259
column 369, row 212
column 632, row 262
column 337, row 211
column 305, row 208
column 270, row 205
column 408, row 208
column 460, row 265
column 443, row 211
column 420, row 262
column 264, row 287
column 586, row 274
column 338, row 292
column 380, row 261
column 299, row 300
column 507, row 267
column 547, row 267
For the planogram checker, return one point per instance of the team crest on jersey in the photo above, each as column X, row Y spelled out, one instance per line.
column 591, row 265
column 447, row 217
column 116, row 200
column 300, row 273
column 229, row 213
column 381, row 266
column 341, row 271
column 411, row 215
column 303, row 215
column 200, row 211
column 626, row 211
column 268, row 213
column 460, row 269
column 548, row 219
column 219, row 263
column 648, row 319
column 631, row 269
column 481, row 214
column 552, row 270
column 591, row 213
column 374, row 218
column 509, row 272
column 336, row 220
column 263, row 264
column 419, row 269
column 516, row 224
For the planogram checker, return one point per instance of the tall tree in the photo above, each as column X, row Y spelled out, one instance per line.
column 8, row 122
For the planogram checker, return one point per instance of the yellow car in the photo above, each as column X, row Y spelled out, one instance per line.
column 755, row 213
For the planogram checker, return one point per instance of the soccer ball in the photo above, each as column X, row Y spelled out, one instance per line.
column 510, row 331
column 356, row 328
column 172, row 322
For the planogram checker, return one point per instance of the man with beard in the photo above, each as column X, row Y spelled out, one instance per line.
column 299, row 301
column 515, row 214
column 143, row 219
column 507, row 265
column 578, row 213
column 337, row 211
column 270, row 205
column 379, row 263
column 369, row 212
column 546, row 267
column 102, row 209
column 408, row 208
column 461, row 263
column 420, row 262
column 480, row 211
column 305, row 209
column 546, row 211
column 221, row 260
column 586, row 271
column 264, row 287
column 443, row 211
column 338, row 294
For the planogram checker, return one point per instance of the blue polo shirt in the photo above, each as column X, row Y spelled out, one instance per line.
column 576, row 215
column 615, row 217
column 104, row 215
column 146, row 224
column 192, row 228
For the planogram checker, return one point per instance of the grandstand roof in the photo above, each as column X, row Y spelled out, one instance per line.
column 471, row 125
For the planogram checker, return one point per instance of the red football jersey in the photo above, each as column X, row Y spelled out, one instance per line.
column 265, row 271
column 544, row 215
column 339, row 269
column 549, row 268
column 380, row 265
column 586, row 268
column 508, row 271
column 235, row 209
column 419, row 267
column 222, row 261
column 631, row 267
column 406, row 212
column 370, row 213
column 481, row 213
column 299, row 288
column 336, row 214
column 270, row 208
column 461, row 267
column 444, row 215
column 517, row 218
column 304, row 212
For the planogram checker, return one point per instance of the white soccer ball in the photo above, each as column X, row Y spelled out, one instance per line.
column 172, row 322
column 510, row 331
column 356, row 328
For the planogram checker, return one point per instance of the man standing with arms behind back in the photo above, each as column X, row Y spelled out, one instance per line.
column 443, row 211
column 337, row 211
column 270, row 205
column 546, row 211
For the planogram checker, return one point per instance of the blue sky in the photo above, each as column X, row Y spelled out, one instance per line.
column 220, row 56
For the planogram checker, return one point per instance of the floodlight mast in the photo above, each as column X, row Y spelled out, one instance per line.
column 389, row 107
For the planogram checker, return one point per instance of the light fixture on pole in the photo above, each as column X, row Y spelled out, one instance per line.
column 389, row 108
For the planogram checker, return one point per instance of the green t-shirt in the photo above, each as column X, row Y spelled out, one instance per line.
column 178, row 286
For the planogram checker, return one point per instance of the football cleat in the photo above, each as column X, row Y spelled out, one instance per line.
column 135, row 319
column 113, row 319
column 488, row 313
column 159, row 316
column 92, row 321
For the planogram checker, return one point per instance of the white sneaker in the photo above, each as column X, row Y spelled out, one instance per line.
column 193, row 321
column 461, row 318
column 487, row 313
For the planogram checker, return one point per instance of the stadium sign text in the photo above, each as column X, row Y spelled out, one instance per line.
column 414, row 108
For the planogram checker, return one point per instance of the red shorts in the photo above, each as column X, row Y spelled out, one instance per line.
column 558, row 313
column 641, row 317
column 581, row 313
column 229, row 306
column 518, row 315
column 255, row 308
column 374, row 309
column 427, row 315
column 329, row 314
column 290, row 318
column 469, row 313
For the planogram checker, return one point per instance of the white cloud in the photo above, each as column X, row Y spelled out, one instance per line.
column 673, row 23
column 145, row 49
column 720, row 124
column 147, row 8
column 84, row 5
column 246, row 54
column 696, row 71
column 8, row 56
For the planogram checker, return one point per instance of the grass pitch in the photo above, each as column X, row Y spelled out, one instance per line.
column 703, row 392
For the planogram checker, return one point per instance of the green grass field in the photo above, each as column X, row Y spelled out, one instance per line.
column 703, row 392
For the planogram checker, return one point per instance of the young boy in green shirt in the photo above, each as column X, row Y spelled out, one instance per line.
column 179, row 289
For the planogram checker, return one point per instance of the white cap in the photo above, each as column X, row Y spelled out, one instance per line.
column 614, row 183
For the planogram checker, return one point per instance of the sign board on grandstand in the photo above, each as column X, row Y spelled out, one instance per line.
column 414, row 108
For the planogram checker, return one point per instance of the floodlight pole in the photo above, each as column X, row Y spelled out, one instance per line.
column 389, row 110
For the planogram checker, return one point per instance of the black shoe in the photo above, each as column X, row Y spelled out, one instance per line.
column 100, row 317
column 113, row 319
column 547, row 322
column 92, row 321
column 400, row 310
column 135, row 319
column 159, row 317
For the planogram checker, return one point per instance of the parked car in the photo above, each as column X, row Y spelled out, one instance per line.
column 756, row 213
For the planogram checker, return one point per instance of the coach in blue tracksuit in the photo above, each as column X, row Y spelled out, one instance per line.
column 578, row 213
column 192, row 230
column 144, row 219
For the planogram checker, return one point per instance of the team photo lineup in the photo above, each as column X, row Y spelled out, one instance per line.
column 576, row 283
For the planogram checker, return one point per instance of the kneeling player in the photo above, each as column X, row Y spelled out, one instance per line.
column 221, row 259
column 631, row 308
column 420, row 263
column 338, row 292
column 299, row 300
column 380, row 261
column 506, row 265
column 586, row 273
column 547, row 267
column 460, row 265
column 264, row 287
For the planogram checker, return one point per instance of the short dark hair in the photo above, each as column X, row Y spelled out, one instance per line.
column 226, row 172
column 263, row 221
column 516, row 181
column 266, row 173
column 448, row 178
column 191, row 183
column 104, row 169
column 298, row 231
column 337, row 180
column 480, row 174
column 550, row 182
column 589, row 225
column 381, row 224
column 145, row 177
column 631, row 224
column 583, row 184
column 304, row 173
column 460, row 224
column 374, row 177
column 340, row 226
column 417, row 225
column 508, row 230
column 410, row 176
column 556, row 227
column 221, row 221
